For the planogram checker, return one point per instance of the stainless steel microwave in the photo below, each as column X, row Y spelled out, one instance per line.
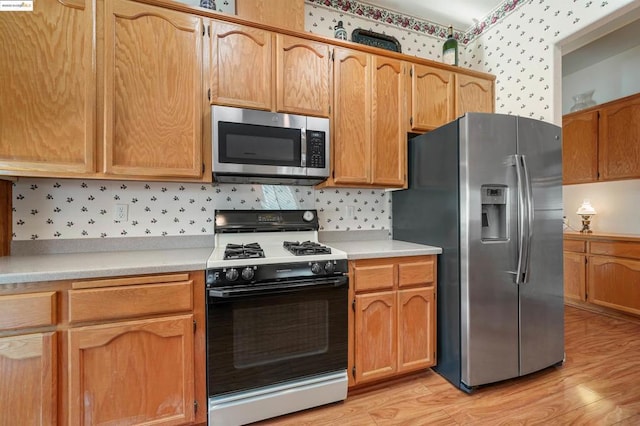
column 251, row 146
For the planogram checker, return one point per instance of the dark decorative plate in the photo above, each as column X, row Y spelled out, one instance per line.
column 371, row 38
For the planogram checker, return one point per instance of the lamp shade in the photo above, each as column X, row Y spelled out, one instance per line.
column 586, row 208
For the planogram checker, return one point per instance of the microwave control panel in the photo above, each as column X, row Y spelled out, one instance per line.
column 316, row 149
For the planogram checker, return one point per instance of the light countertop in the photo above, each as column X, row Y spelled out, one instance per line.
column 51, row 267
column 382, row 248
column 64, row 266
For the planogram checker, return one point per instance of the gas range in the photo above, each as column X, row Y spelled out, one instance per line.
column 261, row 245
column 277, row 316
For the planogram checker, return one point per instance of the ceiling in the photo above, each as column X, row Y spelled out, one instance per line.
column 459, row 13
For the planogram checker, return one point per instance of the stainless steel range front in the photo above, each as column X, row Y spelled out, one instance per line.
column 277, row 305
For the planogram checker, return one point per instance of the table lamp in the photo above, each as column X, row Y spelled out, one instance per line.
column 586, row 210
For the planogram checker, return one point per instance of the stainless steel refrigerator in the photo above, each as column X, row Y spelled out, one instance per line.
column 487, row 188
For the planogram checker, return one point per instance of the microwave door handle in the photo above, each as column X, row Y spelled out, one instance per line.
column 303, row 147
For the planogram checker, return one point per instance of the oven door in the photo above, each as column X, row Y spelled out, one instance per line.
column 275, row 333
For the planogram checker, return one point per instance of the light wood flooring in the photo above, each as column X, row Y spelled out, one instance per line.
column 599, row 384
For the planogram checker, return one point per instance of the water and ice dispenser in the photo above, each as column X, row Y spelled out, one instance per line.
column 494, row 212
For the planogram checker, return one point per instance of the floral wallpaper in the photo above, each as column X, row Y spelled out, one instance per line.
column 516, row 42
column 521, row 52
column 72, row 208
column 225, row 6
column 322, row 19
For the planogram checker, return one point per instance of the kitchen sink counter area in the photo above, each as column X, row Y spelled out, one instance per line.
column 50, row 267
column 370, row 249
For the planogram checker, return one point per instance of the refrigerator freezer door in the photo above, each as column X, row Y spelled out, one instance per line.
column 488, row 293
column 541, row 297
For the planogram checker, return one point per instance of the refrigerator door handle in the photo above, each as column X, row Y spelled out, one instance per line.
column 529, row 213
column 522, row 221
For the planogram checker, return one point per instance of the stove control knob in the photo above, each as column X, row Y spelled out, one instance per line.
column 232, row 274
column 316, row 268
column 247, row 274
column 329, row 267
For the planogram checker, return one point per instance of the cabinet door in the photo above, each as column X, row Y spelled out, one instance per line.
column 416, row 329
column 432, row 99
column 473, row 94
column 28, row 393
column 352, row 117
column 580, row 148
column 613, row 282
column 619, row 141
column 575, row 280
column 137, row 372
column 153, row 84
column 303, row 75
column 375, row 336
column 48, row 89
column 241, row 66
column 389, row 139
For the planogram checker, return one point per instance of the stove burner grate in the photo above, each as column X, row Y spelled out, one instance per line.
column 306, row 248
column 243, row 251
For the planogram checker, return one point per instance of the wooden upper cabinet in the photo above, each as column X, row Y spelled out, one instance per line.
column 432, row 97
column 352, row 117
column 580, row 148
column 619, row 140
column 369, row 139
column 241, row 66
column 389, row 144
column 303, row 76
column 47, row 87
column 473, row 94
column 602, row 143
column 153, row 91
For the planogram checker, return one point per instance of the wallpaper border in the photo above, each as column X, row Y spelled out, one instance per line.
column 407, row 22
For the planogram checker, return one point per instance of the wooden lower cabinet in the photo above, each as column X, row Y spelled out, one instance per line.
column 109, row 351
column 136, row 372
column 28, row 358
column 135, row 362
column 603, row 271
column 575, row 277
column 575, row 269
column 416, row 325
column 394, row 317
column 614, row 283
column 376, row 336
column 28, row 385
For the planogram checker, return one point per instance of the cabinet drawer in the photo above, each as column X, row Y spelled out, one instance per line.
column 373, row 276
column 412, row 273
column 27, row 310
column 574, row 245
column 614, row 248
column 108, row 303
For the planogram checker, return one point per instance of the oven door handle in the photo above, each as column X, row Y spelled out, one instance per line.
column 278, row 287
